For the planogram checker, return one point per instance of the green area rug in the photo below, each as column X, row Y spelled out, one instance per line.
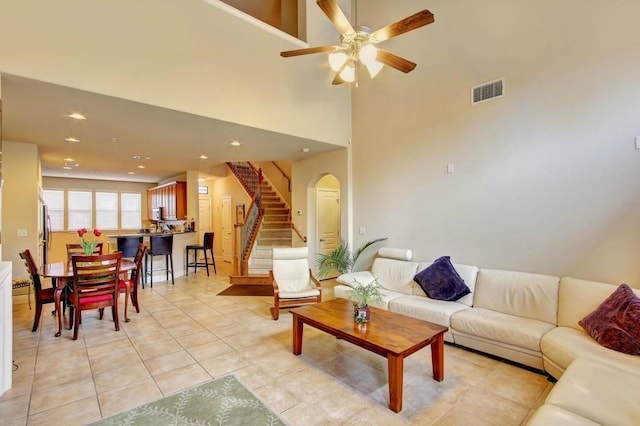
column 223, row 401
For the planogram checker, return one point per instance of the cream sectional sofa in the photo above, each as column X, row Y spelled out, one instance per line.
column 531, row 319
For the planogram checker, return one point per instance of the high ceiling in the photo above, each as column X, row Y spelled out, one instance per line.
column 116, row 130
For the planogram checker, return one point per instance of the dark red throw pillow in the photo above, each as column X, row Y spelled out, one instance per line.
column 615, row 324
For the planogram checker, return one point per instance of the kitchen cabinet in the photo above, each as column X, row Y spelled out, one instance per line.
column 172, row 196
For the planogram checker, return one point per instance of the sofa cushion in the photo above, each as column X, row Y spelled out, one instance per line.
column 436, row 311
column 577, row 298
column 563, row 345
column 551, row 415
column 521, row 294
column 396, row 275
column 441, row 281
column 387, row 295
column 499, row 327
column 599, row 392
column 356, row 278
column 468, row 273
column 614, row 324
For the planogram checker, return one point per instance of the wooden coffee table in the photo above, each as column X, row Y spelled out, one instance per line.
column 391, row 335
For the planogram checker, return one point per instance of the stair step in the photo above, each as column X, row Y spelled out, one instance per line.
column 274, row 242
column 275, row 218
column 261, row 263
column 258, row 271
column 282, row 210
column 273, row 205
column 276, row 225
column 275, row 233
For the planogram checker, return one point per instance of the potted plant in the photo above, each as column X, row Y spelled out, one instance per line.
column 341, row 259
column 362, row 295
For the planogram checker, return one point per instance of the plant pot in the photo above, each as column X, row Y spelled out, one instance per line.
column 361, row 315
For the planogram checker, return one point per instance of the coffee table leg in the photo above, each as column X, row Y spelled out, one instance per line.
column 396, row 371
column 437, row 358
column 297, row 335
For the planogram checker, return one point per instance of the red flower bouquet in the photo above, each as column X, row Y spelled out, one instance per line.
column 88, row 245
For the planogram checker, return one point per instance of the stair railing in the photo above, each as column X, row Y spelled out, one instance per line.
column 246, row 232
column 284, row 175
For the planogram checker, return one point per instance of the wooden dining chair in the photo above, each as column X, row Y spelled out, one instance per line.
column 130, row 284
column 42, row 295
column 96, row 285
column 75, row 249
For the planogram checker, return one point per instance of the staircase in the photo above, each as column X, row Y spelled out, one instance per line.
column 274, row 232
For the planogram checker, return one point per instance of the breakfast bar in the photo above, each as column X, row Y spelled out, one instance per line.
column 180, row 241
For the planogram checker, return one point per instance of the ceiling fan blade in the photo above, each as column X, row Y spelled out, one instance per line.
column 307, row 51
column 336, row 16
column 407, row 24
column 395, row 61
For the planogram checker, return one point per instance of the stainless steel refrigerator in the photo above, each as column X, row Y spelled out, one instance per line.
column 45, row 242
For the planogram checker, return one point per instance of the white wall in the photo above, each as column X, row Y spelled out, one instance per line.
column 305, row 175
column 192, row 55
column 546, row 178
column 21, row 175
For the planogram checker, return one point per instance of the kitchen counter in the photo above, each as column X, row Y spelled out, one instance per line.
column 147, row 234
column 180, row 241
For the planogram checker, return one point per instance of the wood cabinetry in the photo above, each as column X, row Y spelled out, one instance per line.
column 172, row 197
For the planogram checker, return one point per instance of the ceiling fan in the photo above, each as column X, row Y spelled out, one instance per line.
column 358, row 44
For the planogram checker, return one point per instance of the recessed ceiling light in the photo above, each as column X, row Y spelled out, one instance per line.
column 67, row 167
column 141, row 166
column 114, row 139
column 203, row 157
column 131, row 173
column 141, row 157
column 305, row 150
column 69, row 159
column 235, row 143
column 70, row 164
column 77, row 116
column 72, row 139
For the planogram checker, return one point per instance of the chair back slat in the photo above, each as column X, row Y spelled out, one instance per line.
column 32, row 269
column 78, row 249
column 96, row 275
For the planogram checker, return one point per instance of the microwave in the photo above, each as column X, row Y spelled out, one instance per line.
column 157, row 213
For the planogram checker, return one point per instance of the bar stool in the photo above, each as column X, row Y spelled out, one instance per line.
column 207, row 244
column 129, row 245
column 160, row 245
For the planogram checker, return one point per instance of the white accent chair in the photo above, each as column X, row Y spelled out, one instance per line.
column 293, row 283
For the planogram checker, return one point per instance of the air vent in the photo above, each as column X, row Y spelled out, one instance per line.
column 486, row 91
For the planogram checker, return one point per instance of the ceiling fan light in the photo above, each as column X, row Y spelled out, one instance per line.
column 367, row 54
column 348, row 74
column 374, row 68
column 337, row 60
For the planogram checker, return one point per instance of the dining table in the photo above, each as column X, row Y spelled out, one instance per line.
column 62, row 272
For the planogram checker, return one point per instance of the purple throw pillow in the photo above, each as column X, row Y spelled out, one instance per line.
column 441, row 281
column 615, row 324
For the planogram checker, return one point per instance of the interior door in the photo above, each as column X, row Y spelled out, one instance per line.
column 204, row 217
column 227, row 229
column 328, row 219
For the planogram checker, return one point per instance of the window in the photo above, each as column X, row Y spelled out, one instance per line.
column 130, row 210
column 70, row 210
column 54, row 199
column 107, row 210
column 79, row 209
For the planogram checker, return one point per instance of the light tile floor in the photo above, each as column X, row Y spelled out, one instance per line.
column 185, row 334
